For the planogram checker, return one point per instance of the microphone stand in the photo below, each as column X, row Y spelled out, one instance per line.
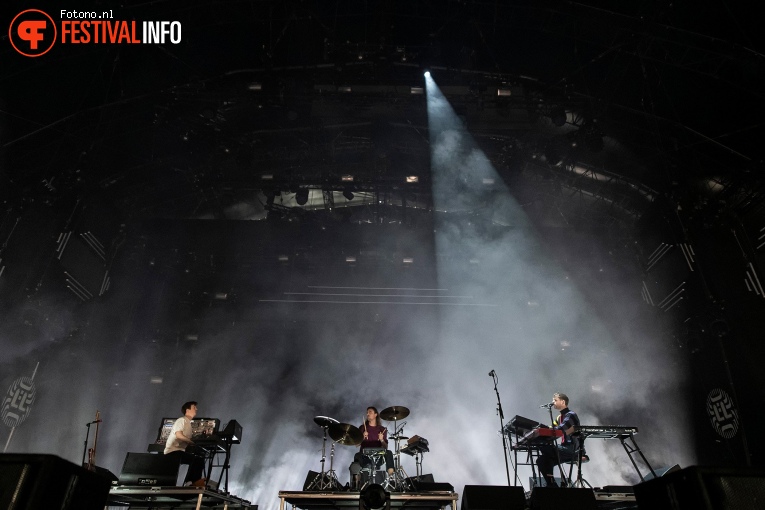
column 501, row 426
column 85, row 447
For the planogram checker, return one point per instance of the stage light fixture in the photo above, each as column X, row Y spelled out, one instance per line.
column 301, row 197
column 267, row 177
column 348, row 194
column 346, row 178
column 374, row 497
column 416, row 91
column 255, row 86
column 427, row 74
column 408, row 260
column 412, row 179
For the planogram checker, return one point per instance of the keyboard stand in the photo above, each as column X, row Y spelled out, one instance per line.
column 632, row 449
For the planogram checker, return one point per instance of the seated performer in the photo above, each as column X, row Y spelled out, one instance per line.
column 375, row 436
column 566, row 451
column 179, row 439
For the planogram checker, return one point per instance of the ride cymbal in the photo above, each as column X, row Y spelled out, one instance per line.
column 394, row 413
column 345, row 433
column 324, row 421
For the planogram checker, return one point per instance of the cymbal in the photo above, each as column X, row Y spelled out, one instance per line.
column 345, row 433
column 394, row 413
column 324, row 421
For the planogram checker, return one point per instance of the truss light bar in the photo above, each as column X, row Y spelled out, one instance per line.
column 416, row 91
column 255, row 86
column 346, row 178
column 284, row 258
column 344, row 88
column 408, row 260
column 267, row 177
column 502, row 92
column 412, row 179
column 350, row 259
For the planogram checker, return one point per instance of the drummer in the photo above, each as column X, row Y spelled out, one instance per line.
column 375, row 436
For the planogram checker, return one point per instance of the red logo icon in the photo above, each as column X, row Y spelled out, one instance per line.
column 32, row 33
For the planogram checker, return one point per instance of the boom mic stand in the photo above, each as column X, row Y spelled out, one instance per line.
column 501, row 415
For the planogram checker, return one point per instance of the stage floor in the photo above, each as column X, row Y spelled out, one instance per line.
column 174, row 497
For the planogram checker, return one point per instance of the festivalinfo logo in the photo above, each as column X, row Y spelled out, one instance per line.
column 34, row 32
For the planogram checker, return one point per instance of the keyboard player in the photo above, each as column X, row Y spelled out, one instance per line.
column 180, row 439
column 551, row 454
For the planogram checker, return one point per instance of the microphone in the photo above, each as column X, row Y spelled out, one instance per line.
column 492, row 373
column 547, row 406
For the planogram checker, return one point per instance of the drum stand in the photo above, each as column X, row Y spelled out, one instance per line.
column 399, row 475
column 322, row 482
column 418, row 462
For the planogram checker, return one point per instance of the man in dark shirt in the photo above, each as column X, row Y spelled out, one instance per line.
column 375, row 436
column 566, row 451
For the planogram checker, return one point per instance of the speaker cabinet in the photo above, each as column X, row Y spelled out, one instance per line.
column 33, row 482
column 556, row 498
column 704, row 488
column 493, row 497
column 661, row 471
column 316, row 476
column 154, row 469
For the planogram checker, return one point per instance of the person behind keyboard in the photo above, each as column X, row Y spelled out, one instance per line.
column 180, row 439
column 566, row 422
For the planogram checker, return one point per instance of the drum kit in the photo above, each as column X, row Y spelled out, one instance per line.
column 349, row 435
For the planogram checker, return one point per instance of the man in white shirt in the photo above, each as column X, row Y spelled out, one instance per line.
column 179, row 439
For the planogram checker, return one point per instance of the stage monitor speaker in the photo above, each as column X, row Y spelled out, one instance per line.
column 315, row 475
column 309, row 478
column 555, row 498
column 426, row 483
column 661, row 472
column 150, row 469
column 704, row 488
column 33, row 482
column 493, row 497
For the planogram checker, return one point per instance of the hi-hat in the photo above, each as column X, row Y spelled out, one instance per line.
column 345, row 433
column 394, row 413
column 324, row 421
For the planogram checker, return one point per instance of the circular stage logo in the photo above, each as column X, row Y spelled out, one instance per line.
column 32, row 33
column 722, row 413
column 18, row 401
